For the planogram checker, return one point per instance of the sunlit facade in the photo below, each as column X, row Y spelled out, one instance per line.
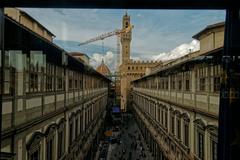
column 177, row 104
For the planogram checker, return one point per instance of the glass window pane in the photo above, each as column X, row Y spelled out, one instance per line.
column 16, row 60
column 6, row 88
column 7, row 59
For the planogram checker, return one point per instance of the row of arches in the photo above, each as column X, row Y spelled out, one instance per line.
column 192, row 132
column 57, row 140
column 52, row 139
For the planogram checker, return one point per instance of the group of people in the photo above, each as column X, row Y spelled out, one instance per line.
column 133, row 148
column 137, row 142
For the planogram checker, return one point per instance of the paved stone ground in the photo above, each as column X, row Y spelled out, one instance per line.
column 132, row 143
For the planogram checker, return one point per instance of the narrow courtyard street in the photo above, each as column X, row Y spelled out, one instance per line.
column 132, row 145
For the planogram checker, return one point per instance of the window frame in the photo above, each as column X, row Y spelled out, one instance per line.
column 173, row 82
column 61, row 140
column 216, row 78
column 200, row 137
column 186, row 129
column 187, row 78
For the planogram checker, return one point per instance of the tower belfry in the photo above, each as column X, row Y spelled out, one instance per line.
column 126, row 39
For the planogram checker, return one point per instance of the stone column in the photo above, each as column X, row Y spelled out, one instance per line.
column 67, row 134
column 192, row 134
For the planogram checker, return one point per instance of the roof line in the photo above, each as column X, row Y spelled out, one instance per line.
column 29, row 16
column 208, row 27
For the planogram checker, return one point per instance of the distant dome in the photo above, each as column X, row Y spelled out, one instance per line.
column 103, row 69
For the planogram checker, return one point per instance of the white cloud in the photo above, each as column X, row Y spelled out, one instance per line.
column 135, row 58
column 109, row 59
column 154, row 30
column 179, row 51
column 139, row 15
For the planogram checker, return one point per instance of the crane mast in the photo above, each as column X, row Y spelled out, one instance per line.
column 116, row 32
column 118, row 51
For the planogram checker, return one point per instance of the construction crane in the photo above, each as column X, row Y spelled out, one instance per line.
column 116, row 32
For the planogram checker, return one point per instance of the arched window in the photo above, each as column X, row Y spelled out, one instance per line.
column 81, row 122
column 178, row 124
column 186, row 121
column 86, row 117
column 159, row 112
column 166, row 118
column 162, row 114
column 88, row 113
column 200, row 129
column 50, row 141
column 172, row 121
column 213, row 130
column 71, row 128
column 61, row 138
column 155, row 110
column 34, row 146
column 77, row 123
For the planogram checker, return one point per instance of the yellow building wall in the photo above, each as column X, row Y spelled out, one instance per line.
column 206, row 43
column 219, row 38
column 211, row 40
column 130, row 72
column 16, row 15
column 26, row 22
column 13, row 13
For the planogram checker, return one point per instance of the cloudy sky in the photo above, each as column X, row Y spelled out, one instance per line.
column 157, row 34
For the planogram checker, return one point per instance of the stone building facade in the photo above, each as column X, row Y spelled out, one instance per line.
column 129, row 69
column 177, row 105
column 53, row 105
